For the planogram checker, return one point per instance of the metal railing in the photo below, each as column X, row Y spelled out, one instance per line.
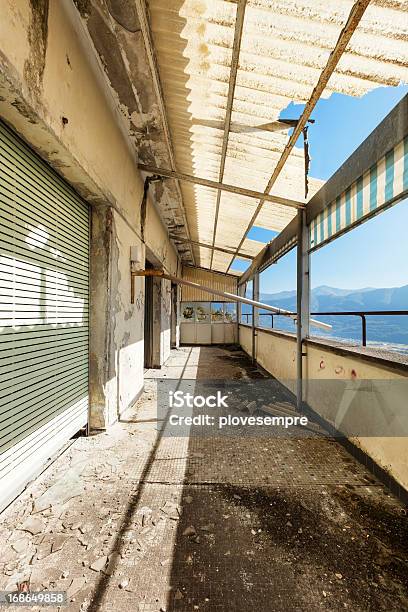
column 363, row 314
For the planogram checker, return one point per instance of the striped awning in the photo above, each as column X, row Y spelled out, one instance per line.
column 384, row 184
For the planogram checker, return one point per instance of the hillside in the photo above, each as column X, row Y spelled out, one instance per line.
column 324, row 298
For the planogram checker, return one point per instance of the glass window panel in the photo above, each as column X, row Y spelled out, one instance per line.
column 230, row 309
column 187, row 312
column 203, row 312
column 217, row 312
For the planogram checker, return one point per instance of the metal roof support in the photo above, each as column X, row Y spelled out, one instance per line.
column 255, row 314
column 303, row 302
column 353, row 20
column 249, row 193
column 142, row 14
column 208, row 246
column 239, row 24
column 241, row 293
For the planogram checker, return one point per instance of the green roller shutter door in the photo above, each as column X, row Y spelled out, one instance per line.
column 44, row 310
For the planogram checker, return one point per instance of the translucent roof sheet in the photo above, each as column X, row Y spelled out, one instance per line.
column 285, row 45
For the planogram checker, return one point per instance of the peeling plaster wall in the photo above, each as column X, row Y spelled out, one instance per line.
column 53, row 93
column 276, row 352
column 165, row 321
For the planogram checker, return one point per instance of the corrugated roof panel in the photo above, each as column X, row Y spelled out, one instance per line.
column 220, row 282
column 252, row 247
column 285, row 45
column 221, row 261
column 234, row 215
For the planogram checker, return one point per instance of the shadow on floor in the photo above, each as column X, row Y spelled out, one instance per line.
column 316, row 537
column 265, row 523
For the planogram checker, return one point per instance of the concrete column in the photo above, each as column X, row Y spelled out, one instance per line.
column 255, row 313
column 102, row 367
column 303, row 301
column 116, row 325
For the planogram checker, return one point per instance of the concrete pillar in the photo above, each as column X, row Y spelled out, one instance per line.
column 102, row 368
column 116, row 325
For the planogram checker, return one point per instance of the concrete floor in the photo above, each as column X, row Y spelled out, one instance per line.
column 140, row 521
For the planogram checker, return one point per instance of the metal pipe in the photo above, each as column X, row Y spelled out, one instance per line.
column 255, row 320
column 230, row 296
column 364, row 330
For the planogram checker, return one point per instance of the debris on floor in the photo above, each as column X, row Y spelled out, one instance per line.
column 147, row 522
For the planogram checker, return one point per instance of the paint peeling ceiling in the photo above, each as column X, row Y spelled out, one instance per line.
column 284, row 46
column 114, row 30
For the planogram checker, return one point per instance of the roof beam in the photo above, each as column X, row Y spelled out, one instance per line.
column 209, row 246
column 239, row 24
column 249, row 193
column 142, row 13
column 346, row 33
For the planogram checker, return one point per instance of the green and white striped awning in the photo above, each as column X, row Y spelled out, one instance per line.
column 384, row 184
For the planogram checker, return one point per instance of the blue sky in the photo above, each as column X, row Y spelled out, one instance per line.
column 342, row 123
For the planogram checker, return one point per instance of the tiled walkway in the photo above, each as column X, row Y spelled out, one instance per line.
column 140, row 521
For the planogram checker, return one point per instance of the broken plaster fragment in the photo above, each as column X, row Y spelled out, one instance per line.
column 99, row 564
column 114, row 560
column 21, row 545
column 59, row 542
column 33, row 525
column 43, row 550
column 76, row 585
column 171, row 510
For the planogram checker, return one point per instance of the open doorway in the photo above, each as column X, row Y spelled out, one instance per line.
column 173, row 316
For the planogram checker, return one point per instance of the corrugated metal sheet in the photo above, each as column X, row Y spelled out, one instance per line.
column 382, row 184
column 285, row 45
column 221, row 282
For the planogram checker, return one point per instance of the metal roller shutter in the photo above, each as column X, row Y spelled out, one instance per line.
column 44, row 295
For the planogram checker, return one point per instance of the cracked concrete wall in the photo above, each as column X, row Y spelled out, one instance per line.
column 54, row 94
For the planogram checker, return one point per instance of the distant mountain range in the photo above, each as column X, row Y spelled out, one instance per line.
column 326, row 298
column 380, row 329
